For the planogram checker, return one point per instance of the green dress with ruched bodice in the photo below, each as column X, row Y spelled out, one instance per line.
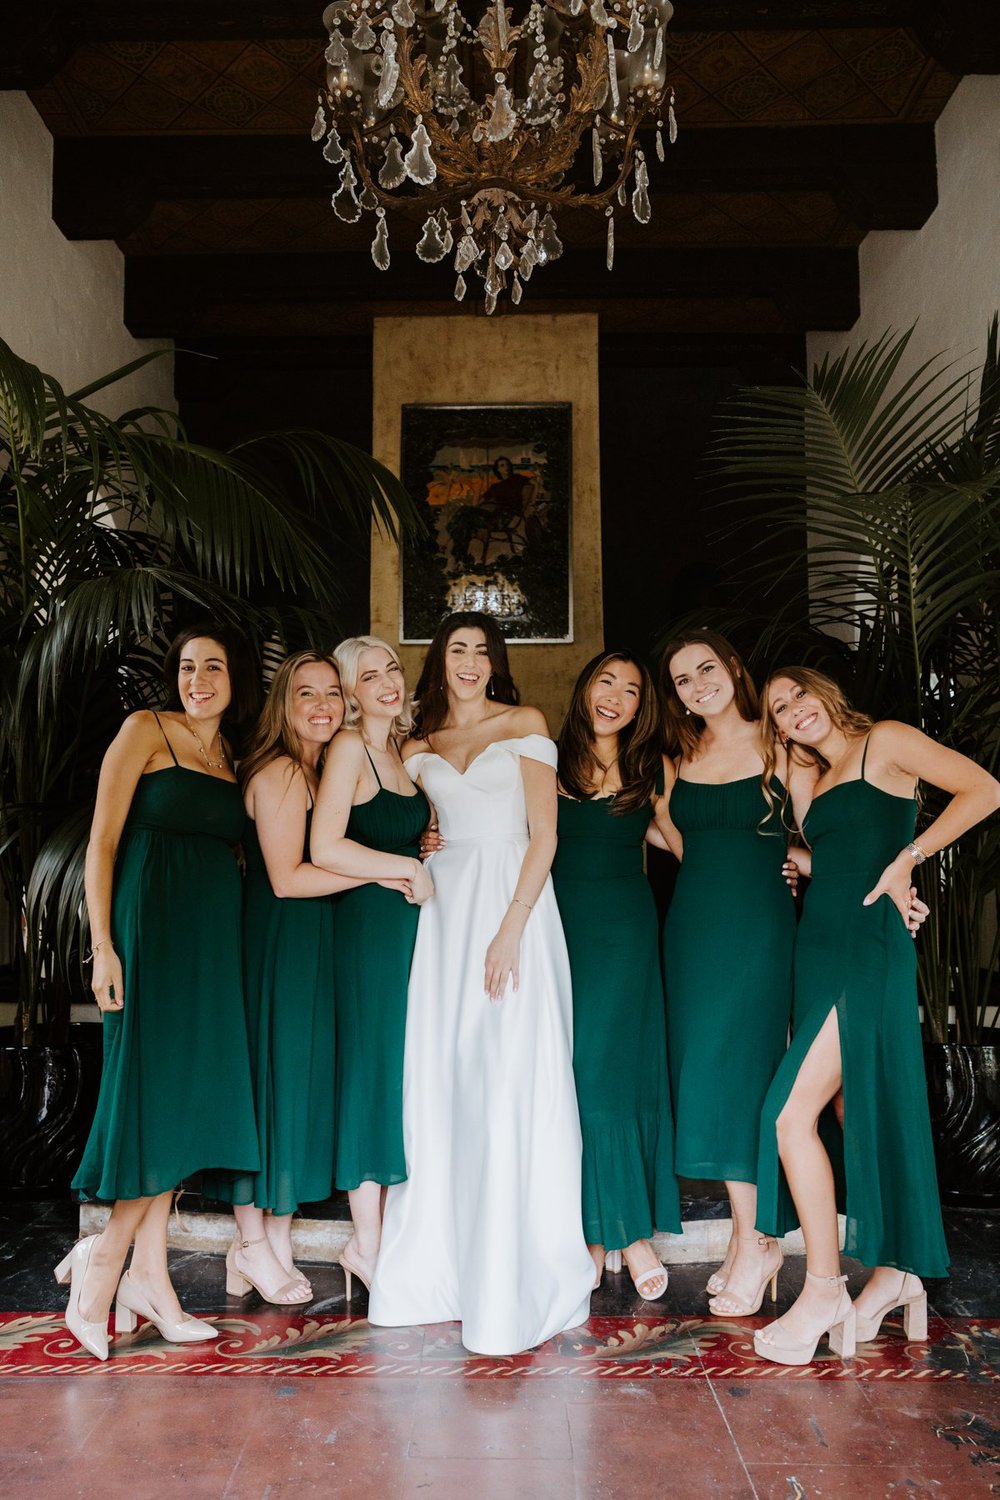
column 619, row 1036
column 860, row 962
column 374, row 933
column 727, row 958
column 289, row 978
column 176, row 1096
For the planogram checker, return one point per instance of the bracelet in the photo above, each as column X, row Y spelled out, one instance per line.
column 88, row 956
column 915, row 852
column 516, row 901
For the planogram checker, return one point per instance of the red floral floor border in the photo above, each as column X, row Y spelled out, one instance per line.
column 272, row 1343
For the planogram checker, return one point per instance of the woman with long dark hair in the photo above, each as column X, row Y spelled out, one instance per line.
column 486, row 1228
column 164, row 899
column 610, row 773
column 855, row 1014
column 727, row 944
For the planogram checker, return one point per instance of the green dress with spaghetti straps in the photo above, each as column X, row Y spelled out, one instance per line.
column 727, row 958
column 860, row 962
column 374, row 933
column 619, row 1035
column 288, row 974
column 175, row 1095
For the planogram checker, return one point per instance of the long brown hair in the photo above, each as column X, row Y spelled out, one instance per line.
column 275, row 735
column 431, row 696
column 683, row 728
column 640, row 757
column 833, row 698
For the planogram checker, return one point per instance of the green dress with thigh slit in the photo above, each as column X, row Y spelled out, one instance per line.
column 374, row 933
column 175, row 1095
column 860, row 962
column 727, row 957
column 290, row 980
column 619, row 1036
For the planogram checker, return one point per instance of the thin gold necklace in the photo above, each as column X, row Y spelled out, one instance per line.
column 214, row 765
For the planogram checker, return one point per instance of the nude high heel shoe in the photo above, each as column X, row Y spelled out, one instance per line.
column 744, row 1308
column 73, row 1269
column 912, row 1299
column 351, row 1269
column 783, row 1349
column 238, row 1283
column 130, row 1301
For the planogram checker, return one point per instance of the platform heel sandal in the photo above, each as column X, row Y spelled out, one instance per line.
column 782, row 1349
column 913, row 1300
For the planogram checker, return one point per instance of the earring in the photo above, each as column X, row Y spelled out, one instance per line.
column 688, row 712
column 489, row 688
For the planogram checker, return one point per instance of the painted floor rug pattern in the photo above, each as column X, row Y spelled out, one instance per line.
column 272, row 1343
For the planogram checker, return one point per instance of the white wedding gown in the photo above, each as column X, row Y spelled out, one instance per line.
column 487, row 1226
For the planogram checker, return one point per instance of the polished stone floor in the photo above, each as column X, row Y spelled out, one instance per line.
column 649, row 1400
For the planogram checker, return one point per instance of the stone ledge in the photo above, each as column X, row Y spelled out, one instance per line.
column 321, row 1240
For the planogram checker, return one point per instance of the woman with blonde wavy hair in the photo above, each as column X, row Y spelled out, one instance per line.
column 855, row 1015
column 288, row 971
column 368, row 821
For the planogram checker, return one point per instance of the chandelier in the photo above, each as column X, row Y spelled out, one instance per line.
column 453, row 110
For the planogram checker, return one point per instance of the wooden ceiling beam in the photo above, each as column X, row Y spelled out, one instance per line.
column 881, row 176
column 214, row 295
column 39, row 38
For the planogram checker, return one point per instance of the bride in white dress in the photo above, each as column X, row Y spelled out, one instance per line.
column 486, row 1228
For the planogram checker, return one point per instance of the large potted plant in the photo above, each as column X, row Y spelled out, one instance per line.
column 898, row 477
column 111, row 531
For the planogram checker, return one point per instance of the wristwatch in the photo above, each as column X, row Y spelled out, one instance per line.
column 916, row 853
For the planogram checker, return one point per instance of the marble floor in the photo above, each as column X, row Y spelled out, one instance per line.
column 647, row 1400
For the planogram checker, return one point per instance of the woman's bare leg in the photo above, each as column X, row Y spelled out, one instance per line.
column 810, row 1177
column 108, row 1257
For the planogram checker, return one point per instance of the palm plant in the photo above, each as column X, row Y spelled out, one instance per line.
column 110, row 531
column 899, row 480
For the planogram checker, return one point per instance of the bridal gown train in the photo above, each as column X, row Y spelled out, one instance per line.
column 487, row 1226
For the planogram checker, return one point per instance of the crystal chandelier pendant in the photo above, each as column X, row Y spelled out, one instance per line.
column 471, row 114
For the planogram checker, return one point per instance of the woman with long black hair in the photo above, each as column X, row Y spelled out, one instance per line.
column 611, row 770
column 487, row 1227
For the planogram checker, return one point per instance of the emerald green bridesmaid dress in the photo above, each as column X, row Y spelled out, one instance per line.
column 289, row 981
column 374, row 933
column 619, row 1036
column 176, row 1096
column 727, row 957
column 861, row 962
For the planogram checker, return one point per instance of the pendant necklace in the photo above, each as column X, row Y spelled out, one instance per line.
column 214, row 765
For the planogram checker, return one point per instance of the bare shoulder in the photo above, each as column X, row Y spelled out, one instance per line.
column 523, row 719
column 347, row 748
column 410, row 748
column 141, row 731
column 278, row 777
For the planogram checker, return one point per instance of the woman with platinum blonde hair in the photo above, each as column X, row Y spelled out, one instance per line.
column 367, row 824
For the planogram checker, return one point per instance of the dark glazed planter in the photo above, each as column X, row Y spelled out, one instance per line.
column 47, row 1101
column 963, row 1085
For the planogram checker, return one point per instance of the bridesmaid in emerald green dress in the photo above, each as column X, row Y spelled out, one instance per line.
column 164, row 899
column 367, row 825
column 610, row 769
column 289, row 979
column 727, row 945
column 855, row 1015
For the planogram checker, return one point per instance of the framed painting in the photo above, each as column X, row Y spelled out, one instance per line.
column 494, row 485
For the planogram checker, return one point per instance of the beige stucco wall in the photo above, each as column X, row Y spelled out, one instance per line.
column 61, row 300
column 513, row 358
column 944, row 277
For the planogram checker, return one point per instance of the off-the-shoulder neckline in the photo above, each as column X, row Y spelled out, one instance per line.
column 511, row 739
